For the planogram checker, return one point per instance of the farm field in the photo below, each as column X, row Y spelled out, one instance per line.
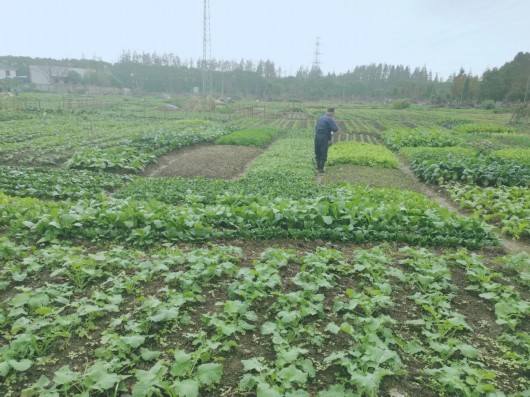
column 147, row 252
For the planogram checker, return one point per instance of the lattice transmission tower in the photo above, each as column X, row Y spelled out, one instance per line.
column 206, row 50
column 316, row 59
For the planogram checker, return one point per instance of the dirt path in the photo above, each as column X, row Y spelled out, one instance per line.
column 511, row 246
column 426, row 190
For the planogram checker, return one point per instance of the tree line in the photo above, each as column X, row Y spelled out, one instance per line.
column 150, row 73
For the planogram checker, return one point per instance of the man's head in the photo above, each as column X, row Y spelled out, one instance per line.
column 331, row 111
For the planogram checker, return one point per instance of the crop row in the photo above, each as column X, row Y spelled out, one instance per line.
column 457, row 366
column 430, row 137
column 485, row 171
column 507, row 206
column 288, row 159
column 173, row 321
column 134, row 154
column 358, row 153
column 48, row 138
column 259, row 137
column 57, row 184
column 356, row 214
column 482, row 171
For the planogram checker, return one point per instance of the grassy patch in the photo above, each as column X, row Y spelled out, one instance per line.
column 258, row 137
column 472, row 128
column 421, row 152
column 521, row 155
column 360, row 153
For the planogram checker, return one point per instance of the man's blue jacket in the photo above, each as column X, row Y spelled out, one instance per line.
column 326, row 125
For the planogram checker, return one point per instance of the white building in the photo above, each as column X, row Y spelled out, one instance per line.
column 46, row 77
column 7, row 72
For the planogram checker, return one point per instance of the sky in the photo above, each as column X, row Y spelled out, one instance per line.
column 442, row 35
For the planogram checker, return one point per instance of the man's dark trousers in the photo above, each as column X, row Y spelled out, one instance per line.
column 321, row 149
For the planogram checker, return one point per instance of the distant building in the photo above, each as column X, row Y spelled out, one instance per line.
column 64, row 79
column 7, row 72
column 48, row 77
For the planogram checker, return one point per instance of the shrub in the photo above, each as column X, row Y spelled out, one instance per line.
column 488, row 105
column 400, row 104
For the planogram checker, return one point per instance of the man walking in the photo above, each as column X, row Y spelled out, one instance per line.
column 323, row 133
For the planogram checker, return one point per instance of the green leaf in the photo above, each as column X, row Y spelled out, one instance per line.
column 154, row 377
column 4, row 368
column 187, row 388
column 253, row 364
column 369, row 382
column 488, row 295
column 21, row 365
column 292, row 354
column 291, row 374
column 65, row 375
column 182, row 363
column 412, row 347
column 296, row 393
column 43, row 310
column 210, row 373
column 268, row 328
column 288, row 317
column 20, row 300
column 264, row 390
column 468, row 350
column 19, row 277
column 148, row 355
column 333, row 328
column 133, row 341
column 165, row 314
column 99, row 377
column 336, row 391
column 4, row 285
column 328, row 220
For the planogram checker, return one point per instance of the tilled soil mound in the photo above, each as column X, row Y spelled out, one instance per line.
column 206, row 160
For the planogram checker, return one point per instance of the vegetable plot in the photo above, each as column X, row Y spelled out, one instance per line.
column 508, row 207
column 356, row 214
column 274, row 284
column 359, row 153
column 57, row 184
column 208, row 321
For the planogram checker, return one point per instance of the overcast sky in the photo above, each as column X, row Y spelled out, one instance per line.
column 442, row 35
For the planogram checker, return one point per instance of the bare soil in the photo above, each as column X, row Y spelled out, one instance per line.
column 206, row 160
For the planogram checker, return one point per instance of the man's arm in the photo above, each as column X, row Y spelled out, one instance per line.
column 333, row 126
